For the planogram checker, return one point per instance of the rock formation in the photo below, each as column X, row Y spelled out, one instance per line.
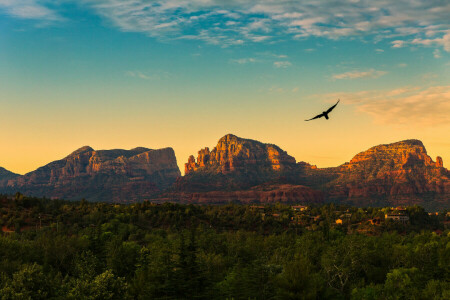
column 104, row 175
column 242, row 170
column 237, row 154
column 397, row 173
column 6, row 175
column 235, row 164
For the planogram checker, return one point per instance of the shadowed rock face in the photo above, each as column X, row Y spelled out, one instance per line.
column 397, row 173
column 105, row 175
column 6, row 175
column 276, row 193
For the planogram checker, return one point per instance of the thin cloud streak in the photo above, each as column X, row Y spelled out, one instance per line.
column 29, row 9
column 409, row 106
column 360, row 74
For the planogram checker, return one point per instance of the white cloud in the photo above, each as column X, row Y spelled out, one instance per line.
column 242, row 61
column 410, row 106
column 29, row 9
column 281, row 64
column 437, row 53
column 398, row 44
column 234, row 22
column 147, row 76
column 360, row 74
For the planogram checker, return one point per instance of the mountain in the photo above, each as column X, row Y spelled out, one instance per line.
column 400, row 173
column 241, row 170
column 6, row 175
column 235, row 163
column 104, row 175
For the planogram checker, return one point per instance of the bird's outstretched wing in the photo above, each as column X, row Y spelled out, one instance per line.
column 331, row 108
column 316, row 117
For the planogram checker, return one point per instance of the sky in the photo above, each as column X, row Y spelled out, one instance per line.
column 183, row 73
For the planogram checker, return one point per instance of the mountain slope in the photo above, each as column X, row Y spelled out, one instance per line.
column 6, row 175
column 397, row 173
column 104, row 175
column 235, row 163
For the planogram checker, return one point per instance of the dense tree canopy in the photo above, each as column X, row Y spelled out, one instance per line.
column 53, row 249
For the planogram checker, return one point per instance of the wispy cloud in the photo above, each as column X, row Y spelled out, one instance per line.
column 437, row 53
column 242, row 61
column 147, row 76
column 411, row 106
column 29, row 9
column 235, row 22
column 359, row 74
column 282, row 64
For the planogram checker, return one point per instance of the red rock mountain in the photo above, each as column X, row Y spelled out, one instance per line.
column 241, row 170
column 235, row 164
column 237, row 154
column 104, row 175
column 397, row 173
column 392, row 174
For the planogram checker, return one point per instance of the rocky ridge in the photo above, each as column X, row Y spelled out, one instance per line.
column 397, row 173
column 104, row 175
column 6, row 175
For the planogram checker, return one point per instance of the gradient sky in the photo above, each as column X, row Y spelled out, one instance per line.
column 121, row 74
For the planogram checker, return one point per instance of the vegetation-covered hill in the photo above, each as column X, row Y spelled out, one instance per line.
column 53, row 249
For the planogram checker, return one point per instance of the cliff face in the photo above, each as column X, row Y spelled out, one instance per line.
column 234, row 171
column 397, row 173
column 235, row 164
column 234, row 154
column 6, row 175
column 105, row 175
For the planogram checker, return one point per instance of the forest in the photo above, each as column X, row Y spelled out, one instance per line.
column 55, row 249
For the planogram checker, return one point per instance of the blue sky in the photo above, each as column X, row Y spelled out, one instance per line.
column 118, row 74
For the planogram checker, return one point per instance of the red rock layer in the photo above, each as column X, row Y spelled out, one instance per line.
column 105, row 175
column 261, row 194
column 233, row 154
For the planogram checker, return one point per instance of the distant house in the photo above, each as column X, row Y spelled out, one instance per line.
column 398, row 217
column 299, row 207
column 375, row 221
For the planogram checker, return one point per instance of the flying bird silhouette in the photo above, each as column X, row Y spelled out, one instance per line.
column 325, row 113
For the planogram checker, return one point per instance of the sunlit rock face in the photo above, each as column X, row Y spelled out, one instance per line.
column 104, row 175
column 397, row 173
column 235, row 154
column 236, row 163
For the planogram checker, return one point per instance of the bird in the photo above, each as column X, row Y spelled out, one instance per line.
column 325, row 113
